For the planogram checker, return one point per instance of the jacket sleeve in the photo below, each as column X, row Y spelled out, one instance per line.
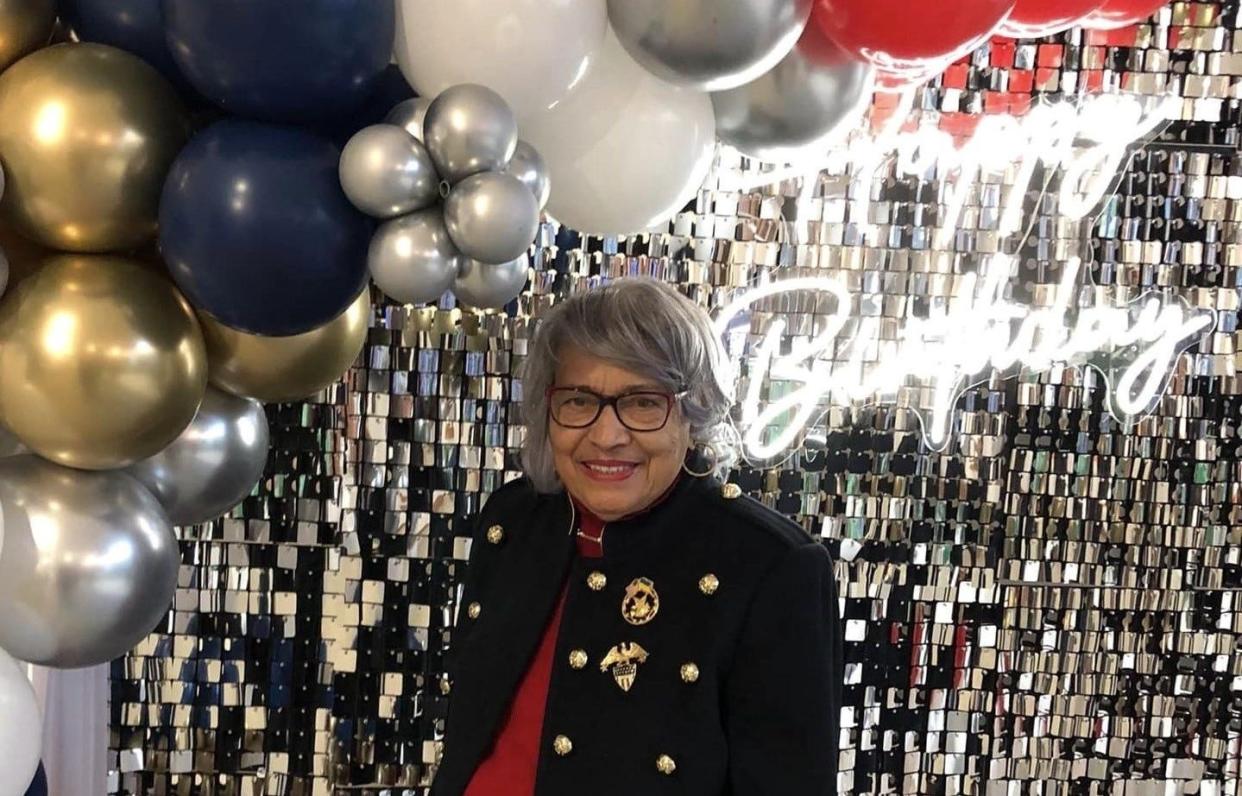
column 475, row 567
column 783, row 690
column 498, row 506
column 483, row 558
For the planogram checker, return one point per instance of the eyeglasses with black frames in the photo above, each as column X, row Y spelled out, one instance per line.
column 639, row 410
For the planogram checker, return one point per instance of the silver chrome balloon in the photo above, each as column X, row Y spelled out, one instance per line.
column 89, row 565
column 490, row 286
column 531, row 169
column 412, row 259
column 796, row 109
column 213, row 464
column 491, row 217
column 469, row 129
column 708, row 45
column 409, row 114
column 387, row 172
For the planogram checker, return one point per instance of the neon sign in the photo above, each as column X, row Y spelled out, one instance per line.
column 979, row 330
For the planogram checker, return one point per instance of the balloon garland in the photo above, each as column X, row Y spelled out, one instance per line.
column 109, row 432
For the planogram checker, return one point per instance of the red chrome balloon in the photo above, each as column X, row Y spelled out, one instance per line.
column 1119, row 13
column 817, row 48
column 899, row 79
column 902, row 36
column 1034, row 19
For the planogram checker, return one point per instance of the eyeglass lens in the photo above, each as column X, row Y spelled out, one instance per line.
column 639, row 411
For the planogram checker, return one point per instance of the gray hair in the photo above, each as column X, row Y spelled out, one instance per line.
column 644, row 326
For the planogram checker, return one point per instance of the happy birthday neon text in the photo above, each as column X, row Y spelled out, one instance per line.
column 980, row 329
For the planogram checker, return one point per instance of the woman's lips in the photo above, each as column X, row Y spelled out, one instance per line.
column 607, row 471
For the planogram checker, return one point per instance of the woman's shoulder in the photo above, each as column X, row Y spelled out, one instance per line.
column 512, row 493
column 516, row 498
column 726, row 507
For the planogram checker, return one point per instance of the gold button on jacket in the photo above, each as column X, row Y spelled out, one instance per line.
column 708, row 628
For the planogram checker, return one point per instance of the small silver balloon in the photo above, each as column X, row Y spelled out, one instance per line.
column 490, row 286
column 409, row 114
column 491, row 217
column 531, row 169
column 708, row 45
column 798, row 108
column 387, row 172
column 412, row 259
column 213, row 464
column 469, row 129
column 89, row 565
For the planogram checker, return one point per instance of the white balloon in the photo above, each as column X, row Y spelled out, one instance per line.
column 625, row 150
column 21, row 728
column 531, row 52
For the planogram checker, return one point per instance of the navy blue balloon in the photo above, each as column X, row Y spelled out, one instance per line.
column 39, row 786
column 257, row 232
column 390, row 89
column 282, row 61
column 136, row 26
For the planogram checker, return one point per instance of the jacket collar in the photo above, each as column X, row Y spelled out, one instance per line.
column 640, row 532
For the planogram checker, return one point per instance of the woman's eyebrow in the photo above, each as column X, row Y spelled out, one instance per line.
column 637, row 387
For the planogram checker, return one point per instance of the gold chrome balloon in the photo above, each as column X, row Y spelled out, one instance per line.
column 286, row 368
column 87, row 135
column 25, row 26
column 102, row 362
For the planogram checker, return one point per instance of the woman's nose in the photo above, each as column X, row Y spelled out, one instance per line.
column 608, row 431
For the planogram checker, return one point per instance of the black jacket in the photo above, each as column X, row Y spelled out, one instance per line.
column 759, row 719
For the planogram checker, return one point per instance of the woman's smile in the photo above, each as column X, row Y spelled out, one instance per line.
column 608, row 470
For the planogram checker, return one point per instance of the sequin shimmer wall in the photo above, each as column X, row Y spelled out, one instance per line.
column 1050, row 605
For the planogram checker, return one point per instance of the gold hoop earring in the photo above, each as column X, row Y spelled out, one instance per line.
column 711, row 470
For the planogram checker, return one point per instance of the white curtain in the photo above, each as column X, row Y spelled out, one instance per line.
column 75, row 729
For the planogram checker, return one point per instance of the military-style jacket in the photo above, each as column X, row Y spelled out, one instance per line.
column 700, row 656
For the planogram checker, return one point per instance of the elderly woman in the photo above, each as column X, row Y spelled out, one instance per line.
column 630, row 625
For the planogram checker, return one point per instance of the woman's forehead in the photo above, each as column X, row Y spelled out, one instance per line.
column 578, row 368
